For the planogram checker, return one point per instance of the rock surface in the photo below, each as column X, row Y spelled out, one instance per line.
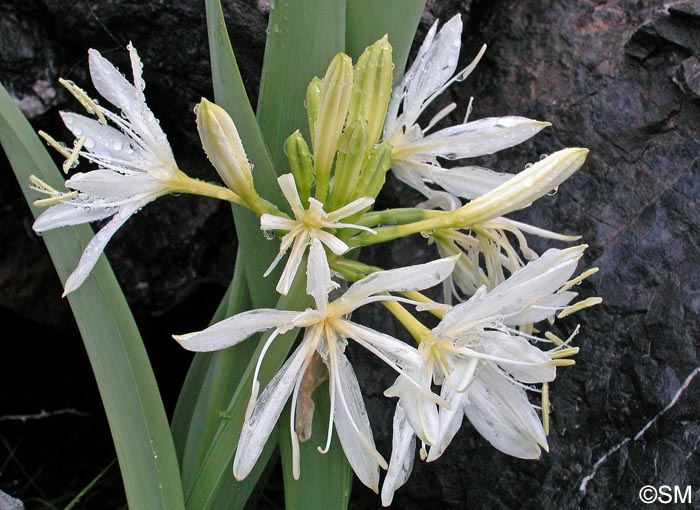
column 620, row 77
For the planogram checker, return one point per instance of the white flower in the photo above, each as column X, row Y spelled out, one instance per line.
column 415, row 153
column 486, row 253
column 326, row 333
column 307, row 226
column 483, row 360
column 135, row 161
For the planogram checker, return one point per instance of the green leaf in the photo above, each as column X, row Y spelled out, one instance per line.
column 327, row 475
column 303, row 36
column 215, row 471
column 368, row 20
column 256, row 253
column 222, row 375
column 119, row 361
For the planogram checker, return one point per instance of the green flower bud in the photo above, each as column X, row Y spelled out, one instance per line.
column 300, row 164
column 224, row 148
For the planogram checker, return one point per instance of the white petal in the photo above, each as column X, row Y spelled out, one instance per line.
column 519, row 350
column 403, row 452
column 112, row 85
column 71, row 213
column 289, row 190
column 435, row 63
column 418, row 277
column 235, row 329
column 97, row 245
column 267, row 410
column 477, row 138
column 397, row 352
column 272, row 222
column 545, row 308
column 108, row 183
column 421, row 413
column 352, row 423
column 103, row 141
column 318, row 276
column 348, row 210
column 450, row 420
column 334, row 244
column 467, row 181
column 293, row 263
column 503, row 415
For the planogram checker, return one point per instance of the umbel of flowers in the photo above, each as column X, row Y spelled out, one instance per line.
column 483, row 360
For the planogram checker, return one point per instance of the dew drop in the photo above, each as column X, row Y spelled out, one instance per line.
column 425, row 235
column 268, row 235
column 78, row 132
column 89, row 143
column 543, row 156
column 553, row 192
column 117, row 145
column 528, row 166
column 87, row 208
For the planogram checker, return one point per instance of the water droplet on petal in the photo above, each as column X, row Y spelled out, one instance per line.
column 269, row 235
column 89, row 143
column 117, row 144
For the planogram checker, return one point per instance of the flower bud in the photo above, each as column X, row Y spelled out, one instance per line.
column 372, row 89
column 300, row 164
column 524, row 188
column 334, row 100
column 224, row 148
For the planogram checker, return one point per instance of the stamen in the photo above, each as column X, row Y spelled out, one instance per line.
column 331, row 384
column 553, row 338
column 256, row 383
column 563, row 353
column 82, row 97
column 73, row 157
column 469, row 110
column 578, row 279
column 60, row 147
column 586, row 303
column 55, row 196
column 440, row 115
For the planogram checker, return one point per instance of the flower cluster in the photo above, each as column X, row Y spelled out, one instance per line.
column 485, row 355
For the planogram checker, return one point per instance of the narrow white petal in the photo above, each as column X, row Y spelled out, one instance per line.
column 293, row 263
column 467, row 181
column 421, row 413
column 450, row 420
column 72, row 213
column 519, row 350
column 97, row 245
column 104, row 141
column 477, row 138
column 501, row 412
column 403, row 452
column 289, row 190
column 112, row 85
column 418, row 277
column 318, row 276
column 545, row 308
column 235, row 329
column 267, row 410
column 334, row 244
column 272, row 222
column 352, row 423
column 348, row 210
column 435, row 64
column 108, row 183
column 399, row 353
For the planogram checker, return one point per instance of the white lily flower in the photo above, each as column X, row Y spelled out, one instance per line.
column 308, row 225
column 136, row 164
column 326, row 333
column 486, row 254
column 415, row 153
column 483, row 361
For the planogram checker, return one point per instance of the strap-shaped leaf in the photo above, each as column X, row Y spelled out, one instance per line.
column 119, row 361
column 368, row 20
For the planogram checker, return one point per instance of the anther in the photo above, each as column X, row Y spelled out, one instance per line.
column 85, row 100
column 72, row 159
